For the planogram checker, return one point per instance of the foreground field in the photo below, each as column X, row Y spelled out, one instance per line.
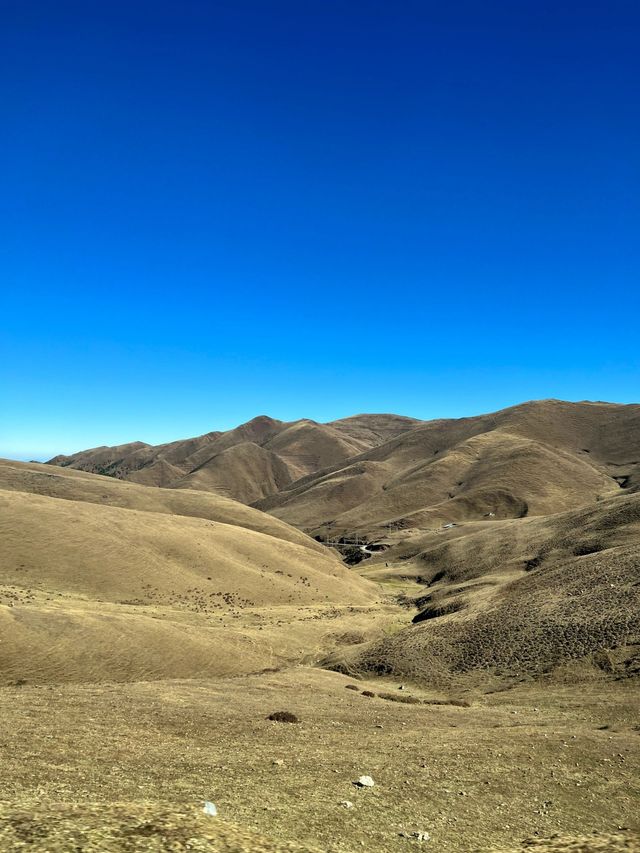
column 524, row 763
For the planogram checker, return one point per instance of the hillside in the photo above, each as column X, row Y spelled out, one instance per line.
column 68, row 484
column 538, row 458
column 536, row 566
column 247, row 463
column 107, row 580
column 373, row 474
column 511, row 600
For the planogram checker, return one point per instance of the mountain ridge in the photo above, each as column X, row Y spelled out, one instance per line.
column 370, row 473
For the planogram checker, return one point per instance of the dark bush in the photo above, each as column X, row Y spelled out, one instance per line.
column 404, row 700
column 283, row 717
column 354, row 555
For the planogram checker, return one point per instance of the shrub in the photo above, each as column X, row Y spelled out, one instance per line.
column 405, row 700
column 283, row 717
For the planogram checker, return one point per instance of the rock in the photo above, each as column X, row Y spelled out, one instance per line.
column 347, row 804
column 419, row 836
column 364, row 782
column 278, row 762
column 210, row 809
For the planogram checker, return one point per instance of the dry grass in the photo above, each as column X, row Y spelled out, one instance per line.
column 91, row 591
column 486, row 612
column 147, row 635
column 534, row 459
column 71, row 485
column 254, row 460
column 596, row 842
column 518, row 763
column 371, row 471
column 128, row 828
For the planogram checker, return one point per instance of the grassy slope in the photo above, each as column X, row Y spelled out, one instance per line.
column 72, row 485
column 555, row 595
column 277, row 453
column 518, row 598
column 540, row 457
column 479, row 778
column 92, row 591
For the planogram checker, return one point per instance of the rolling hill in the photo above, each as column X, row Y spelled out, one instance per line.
column 518, row 529
column 534, row 459
column 101, row 579
column 518, row 599
column 247, row 463
column 480, row 662
column 373, row 474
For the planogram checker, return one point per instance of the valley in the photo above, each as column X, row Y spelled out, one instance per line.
column 449, row 607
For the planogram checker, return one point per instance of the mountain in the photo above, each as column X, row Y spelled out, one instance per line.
column 480, row 662
column 373, row 474
column 514, row 534
column 102, row 579
column 534, row 459
column 247, row 463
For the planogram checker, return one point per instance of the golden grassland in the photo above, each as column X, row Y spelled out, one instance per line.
column 526, row 763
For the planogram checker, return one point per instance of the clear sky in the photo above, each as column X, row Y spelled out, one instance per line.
column 312, row 208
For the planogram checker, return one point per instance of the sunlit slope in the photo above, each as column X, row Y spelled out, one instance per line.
column 112, row 553
column 72, row 485
column 274, row 452
column 535, row 459
column 92, row 592
column 246, row 472
column 144, row 827
column 493, row 472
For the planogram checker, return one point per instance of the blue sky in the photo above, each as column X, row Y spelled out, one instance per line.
column 212, row 210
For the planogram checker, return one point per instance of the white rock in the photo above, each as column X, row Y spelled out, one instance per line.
column 210, row 809
column 365, row 782
column 347, row 804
